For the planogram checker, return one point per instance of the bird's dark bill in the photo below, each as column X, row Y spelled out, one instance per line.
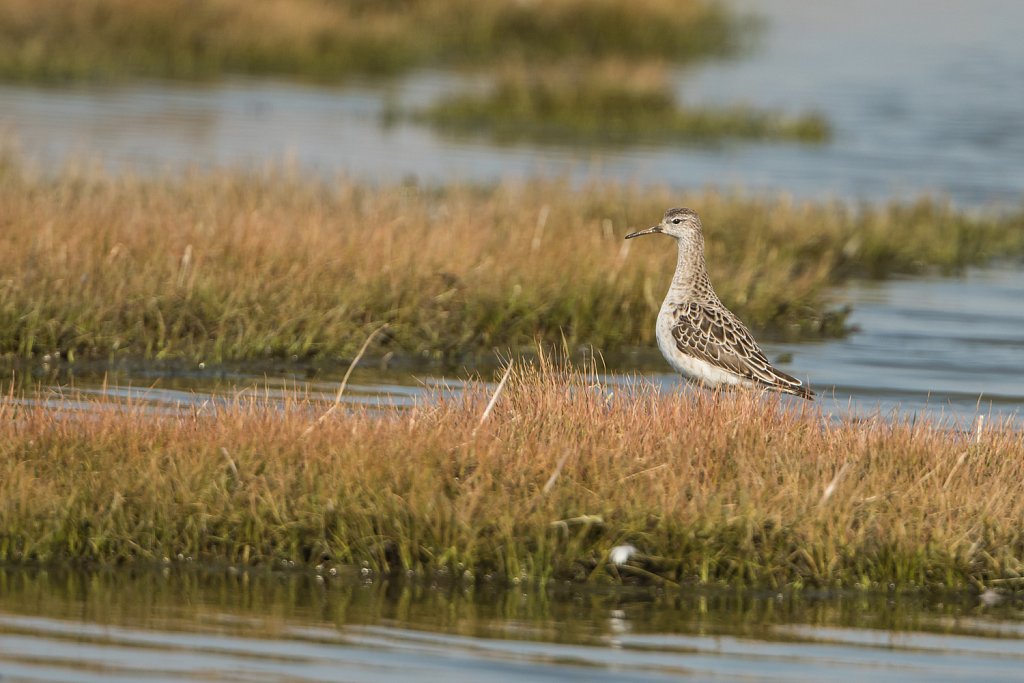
column 648, row 231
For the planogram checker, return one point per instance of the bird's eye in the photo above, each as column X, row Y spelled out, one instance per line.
column 677, row 221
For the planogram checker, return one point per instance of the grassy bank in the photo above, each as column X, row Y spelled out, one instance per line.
column 61, row 40
column 219, row 266
column 612, row 102
column 733, row 489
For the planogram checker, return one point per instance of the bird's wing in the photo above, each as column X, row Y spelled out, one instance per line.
column 713, row 334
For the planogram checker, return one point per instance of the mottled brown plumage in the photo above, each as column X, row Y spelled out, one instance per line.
column 697, row 334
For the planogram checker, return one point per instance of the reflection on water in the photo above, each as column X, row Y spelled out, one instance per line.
column 921, row 100
column 184, row 623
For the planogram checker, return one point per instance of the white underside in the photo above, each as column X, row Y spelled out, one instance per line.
column 688, row 366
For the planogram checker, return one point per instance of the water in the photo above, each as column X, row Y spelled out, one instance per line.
column 951, row 347
column 228, row 625
column 922, row 100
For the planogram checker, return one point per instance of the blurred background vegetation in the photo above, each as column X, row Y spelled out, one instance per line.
column 329, row 40
column 573, row 71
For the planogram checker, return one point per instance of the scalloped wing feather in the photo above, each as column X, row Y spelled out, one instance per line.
column 713, row 334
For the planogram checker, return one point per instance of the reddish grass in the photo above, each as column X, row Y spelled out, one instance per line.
column 736, row 489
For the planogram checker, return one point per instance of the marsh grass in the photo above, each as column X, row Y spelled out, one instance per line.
column 231, row 266
column 732, row 489
column 612, row 102
column 60, row 40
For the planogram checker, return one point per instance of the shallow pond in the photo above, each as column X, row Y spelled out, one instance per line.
column 921, row 100
column 185, row 623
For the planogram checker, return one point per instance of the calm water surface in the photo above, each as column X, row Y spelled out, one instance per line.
column 228, row 625
column 923, row 97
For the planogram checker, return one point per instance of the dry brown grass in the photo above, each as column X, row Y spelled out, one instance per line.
column 735, row 489
column 214, row 266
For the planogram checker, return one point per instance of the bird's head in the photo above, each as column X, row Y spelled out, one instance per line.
column 678, row 223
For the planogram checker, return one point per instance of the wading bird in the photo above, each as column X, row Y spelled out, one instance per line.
column 697, row 334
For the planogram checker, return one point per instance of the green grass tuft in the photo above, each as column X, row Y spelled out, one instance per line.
column 235, row 266
column 613, row 102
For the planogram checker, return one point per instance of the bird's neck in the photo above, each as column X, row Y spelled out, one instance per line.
column 690, row 282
